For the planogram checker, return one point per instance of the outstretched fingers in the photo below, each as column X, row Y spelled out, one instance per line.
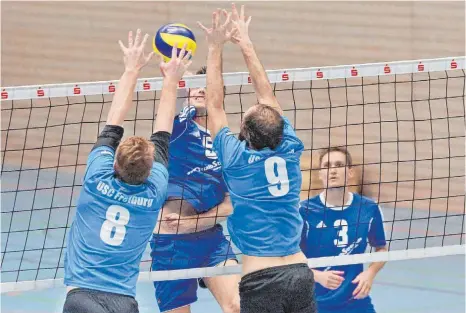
column 205, row 29
column 228, row 19
column 174, row 50
column 182, row 52
column 130, row 39
column 137, row 41
column 122, row 47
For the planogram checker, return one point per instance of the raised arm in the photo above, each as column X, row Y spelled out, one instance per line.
column 172, row 71
column 216, row 38
column 135, row 60
column 163, row 127
column 260, row 81
column 101, row 158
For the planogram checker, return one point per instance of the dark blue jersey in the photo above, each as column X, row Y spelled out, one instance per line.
column 194, row 169
column 332, row 231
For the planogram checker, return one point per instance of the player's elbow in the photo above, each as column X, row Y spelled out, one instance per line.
column 381, row 249
column 227, row 206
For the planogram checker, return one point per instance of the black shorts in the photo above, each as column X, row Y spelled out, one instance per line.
column 280, row 289
column 81, row 300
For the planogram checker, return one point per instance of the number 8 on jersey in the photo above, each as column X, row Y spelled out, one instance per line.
column 113, row 230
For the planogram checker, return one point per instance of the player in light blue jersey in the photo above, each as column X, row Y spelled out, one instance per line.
column 189, row 234
column 262, row 173
column 123, row 190
column 338, row 222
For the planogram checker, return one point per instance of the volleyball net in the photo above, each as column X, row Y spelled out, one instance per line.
column 403, row 123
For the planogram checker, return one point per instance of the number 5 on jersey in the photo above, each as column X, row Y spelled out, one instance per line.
column 113, row 230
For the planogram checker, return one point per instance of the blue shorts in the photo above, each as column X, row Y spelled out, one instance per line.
column 207, row 248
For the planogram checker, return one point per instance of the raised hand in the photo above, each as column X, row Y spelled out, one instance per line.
column 240, row 25
column 218, row 34
column 134, row 56
column 178, row 65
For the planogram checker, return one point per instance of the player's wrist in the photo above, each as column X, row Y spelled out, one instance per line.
column 372, row 271
column 215, row 46
column 131, row 71
column 246, row 44
column 170, row 81
column 317, row 276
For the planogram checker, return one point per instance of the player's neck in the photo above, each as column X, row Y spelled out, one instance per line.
column 336, row 197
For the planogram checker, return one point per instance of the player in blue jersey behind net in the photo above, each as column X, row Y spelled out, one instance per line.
column 189, row 234
column 124, row 187
column 262, row 173
column 338, row 222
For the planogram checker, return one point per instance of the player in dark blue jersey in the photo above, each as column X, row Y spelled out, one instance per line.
column 124, row 187
column 262, row 173
column 338, row 222
column 189, row 234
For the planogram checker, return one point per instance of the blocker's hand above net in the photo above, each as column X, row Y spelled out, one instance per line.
column 134, row 56
column 177, row 65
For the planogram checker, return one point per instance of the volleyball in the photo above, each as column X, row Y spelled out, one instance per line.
column 168, row 35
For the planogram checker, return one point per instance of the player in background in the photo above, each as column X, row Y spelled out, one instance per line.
column 338, row 222
column 123, row 189
column 189, row 234
column 262, row 173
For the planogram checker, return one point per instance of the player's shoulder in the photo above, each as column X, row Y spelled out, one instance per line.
column 103, row 150
column 179, row 130
column 313, row 204
column 289, row 133
column 363, row 201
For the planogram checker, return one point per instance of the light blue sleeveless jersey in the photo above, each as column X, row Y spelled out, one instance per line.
column 264, row 188
column 113, row 224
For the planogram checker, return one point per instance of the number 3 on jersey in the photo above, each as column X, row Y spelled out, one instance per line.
column 278, row 178
column 113, row 230
column 342, row 235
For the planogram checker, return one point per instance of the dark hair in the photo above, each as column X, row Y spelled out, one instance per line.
column 324, row 152
column 262, row 128
column 202, row 71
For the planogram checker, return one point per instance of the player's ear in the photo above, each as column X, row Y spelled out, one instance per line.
column 349, row 172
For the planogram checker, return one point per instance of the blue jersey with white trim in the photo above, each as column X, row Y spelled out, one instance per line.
column 332, row 231
column 264, row 189
column 113, row 224
column 194, row 169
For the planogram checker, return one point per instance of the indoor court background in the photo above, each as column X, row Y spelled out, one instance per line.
column 77, row 41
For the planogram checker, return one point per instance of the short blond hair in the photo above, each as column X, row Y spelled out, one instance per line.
column 133, row 159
